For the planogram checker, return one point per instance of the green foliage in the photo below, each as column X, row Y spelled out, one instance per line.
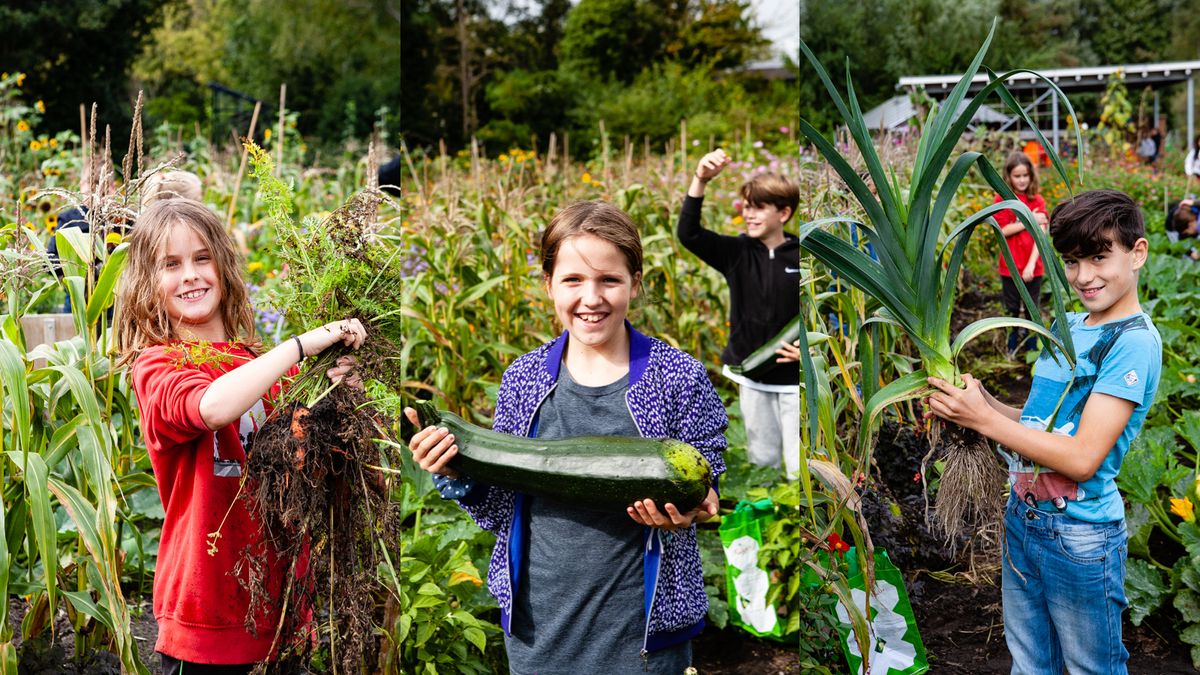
column 76, row 52
column 337, row 269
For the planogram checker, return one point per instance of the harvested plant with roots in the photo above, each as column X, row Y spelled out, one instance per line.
column 913, row 265
column 317, row 471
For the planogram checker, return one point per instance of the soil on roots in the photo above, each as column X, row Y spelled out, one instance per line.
column 323, row 508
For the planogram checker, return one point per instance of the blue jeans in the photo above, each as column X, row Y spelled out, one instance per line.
column 1064, row 591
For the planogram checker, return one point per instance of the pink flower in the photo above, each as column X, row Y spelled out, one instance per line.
column 784, row 130
column 758, row 144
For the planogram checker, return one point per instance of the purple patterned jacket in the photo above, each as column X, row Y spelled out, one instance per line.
column 669, row 396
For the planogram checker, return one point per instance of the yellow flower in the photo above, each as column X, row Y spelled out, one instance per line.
column 40, row 106
column 254, row 266
column 267, row 134
column 34, row 145
column 54, row 142
column 51, row 222
column 738, row 220
column 22, row 126
column 113, row 238
column 503, row 157
column 3, row 76
column 20, row 79
column 586, row 177
column 1183, row 508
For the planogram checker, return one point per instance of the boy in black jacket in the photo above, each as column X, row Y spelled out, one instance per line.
column 762, row 267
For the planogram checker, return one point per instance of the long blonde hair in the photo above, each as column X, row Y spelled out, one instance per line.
column 142, row 318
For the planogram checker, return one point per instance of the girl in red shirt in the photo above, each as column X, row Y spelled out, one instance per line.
column 1021, row 177
column 202, row 388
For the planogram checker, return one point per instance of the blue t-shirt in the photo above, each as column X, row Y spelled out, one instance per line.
column 1121, row 358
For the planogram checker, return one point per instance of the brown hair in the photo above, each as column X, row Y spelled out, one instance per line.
column 142, row 320
column 1091, row 221
column 1183, row 218
column 1016, row 159
column 599, row 219
column 773, row 189
column 172, row 185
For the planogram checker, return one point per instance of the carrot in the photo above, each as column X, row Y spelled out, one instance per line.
column 298, row 433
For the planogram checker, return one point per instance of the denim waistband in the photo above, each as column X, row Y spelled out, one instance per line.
column 1049, row 518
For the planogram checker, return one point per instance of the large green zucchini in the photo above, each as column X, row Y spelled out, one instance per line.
column 763, row 358
column 606, row 473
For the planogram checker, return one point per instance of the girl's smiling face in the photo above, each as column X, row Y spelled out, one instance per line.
column 591, row 287
column 189, row 284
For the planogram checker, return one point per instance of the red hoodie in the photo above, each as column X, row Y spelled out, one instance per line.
column 198, row 603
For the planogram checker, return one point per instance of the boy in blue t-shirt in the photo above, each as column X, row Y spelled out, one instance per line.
column 1063, row 575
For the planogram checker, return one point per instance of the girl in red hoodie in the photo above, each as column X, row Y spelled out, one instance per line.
column 1021, row 177
column 202, row 388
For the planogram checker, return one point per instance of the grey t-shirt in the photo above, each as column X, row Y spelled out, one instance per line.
column 579, row 606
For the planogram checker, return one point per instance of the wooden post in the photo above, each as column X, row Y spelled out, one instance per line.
column 550, row 154
column 237, row 184
column 46, row 329
column 604, row 152
column 279, row 142
column 683, row 155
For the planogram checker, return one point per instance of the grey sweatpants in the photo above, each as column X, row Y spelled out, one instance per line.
column 772, row 428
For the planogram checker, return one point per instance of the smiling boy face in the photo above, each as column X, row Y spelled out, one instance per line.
column 1106, row 281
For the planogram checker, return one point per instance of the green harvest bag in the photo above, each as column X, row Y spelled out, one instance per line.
column 898, row 649
column 746, row 584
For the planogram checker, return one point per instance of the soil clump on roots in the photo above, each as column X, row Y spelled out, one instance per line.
column 313, row 489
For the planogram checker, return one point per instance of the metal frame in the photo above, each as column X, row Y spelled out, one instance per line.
column 1077, row 79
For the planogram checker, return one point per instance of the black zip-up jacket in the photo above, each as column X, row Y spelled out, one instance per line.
column 764, row 287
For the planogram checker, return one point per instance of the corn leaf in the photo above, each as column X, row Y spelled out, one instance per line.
column 104, row 293
column 44, row 529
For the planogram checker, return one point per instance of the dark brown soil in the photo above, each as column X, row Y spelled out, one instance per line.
column 734, row 652
column 323, row 507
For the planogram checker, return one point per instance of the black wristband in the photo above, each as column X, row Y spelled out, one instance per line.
column 299, row 346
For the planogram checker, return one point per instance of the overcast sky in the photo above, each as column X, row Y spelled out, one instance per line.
column 780, row 21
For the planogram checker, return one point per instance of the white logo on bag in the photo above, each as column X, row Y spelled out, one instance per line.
column 751, row 585
column 792, row 270
column 886, row 629
column 1131, row 378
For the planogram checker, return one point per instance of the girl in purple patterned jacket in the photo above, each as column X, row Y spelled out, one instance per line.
column 584, row 590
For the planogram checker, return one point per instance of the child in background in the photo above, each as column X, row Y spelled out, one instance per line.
column 1021, row 177
column 762, row 268
column 172, row 185
column 202, row 388
column 1065, row 539
column 583, row 591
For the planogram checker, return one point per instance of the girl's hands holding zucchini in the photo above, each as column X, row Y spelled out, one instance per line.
column 432, row 447
column 645, row 512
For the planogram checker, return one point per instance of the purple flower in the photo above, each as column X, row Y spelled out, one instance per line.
column 758, row 144
column 784, row 130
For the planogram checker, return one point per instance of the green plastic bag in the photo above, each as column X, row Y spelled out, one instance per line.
column 898, row 649
column 747, row 585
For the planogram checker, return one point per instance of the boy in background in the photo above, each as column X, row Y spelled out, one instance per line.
column 1063, row 576
column 762, row 268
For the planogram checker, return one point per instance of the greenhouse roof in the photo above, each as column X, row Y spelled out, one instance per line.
column 1092, row 78
column 898, row 110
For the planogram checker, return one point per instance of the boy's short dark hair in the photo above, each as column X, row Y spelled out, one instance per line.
column 773, row 189
column 1091, row 221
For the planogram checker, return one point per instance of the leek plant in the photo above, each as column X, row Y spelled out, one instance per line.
column 914, row 276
